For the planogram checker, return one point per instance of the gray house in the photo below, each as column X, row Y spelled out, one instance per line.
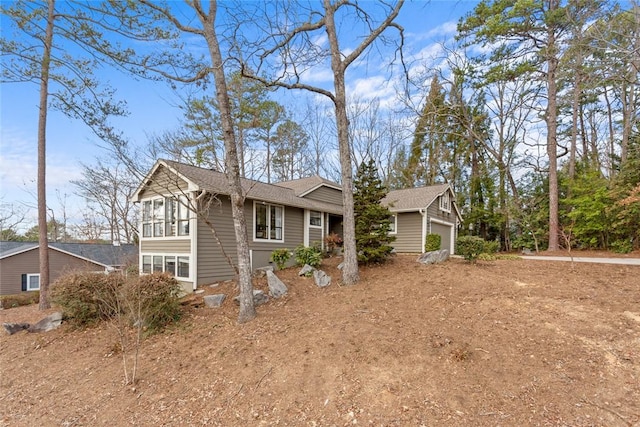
column 187, row 229
column 20, row 262
column 421, row 211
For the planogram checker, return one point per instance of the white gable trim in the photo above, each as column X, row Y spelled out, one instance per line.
column 191, row 186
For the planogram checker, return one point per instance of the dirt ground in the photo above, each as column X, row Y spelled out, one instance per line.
column 498, row 343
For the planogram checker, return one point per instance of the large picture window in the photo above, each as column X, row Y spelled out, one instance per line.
column 268, row 220
column 165, row 217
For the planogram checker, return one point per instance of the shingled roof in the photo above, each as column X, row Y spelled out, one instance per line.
column 104, row 254
column 216, row 183
column 303, row 186
column 413, row 198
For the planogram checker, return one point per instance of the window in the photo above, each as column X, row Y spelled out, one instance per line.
column 183, row 266
column 173, row 264
column 157, row 263
column 146, row 264
column 158, row 217
column 315, row 219
column 393, row 224
column 146, row 218
column 445, row 203
column 269, row 221
column 165, row 217
column 33, row 282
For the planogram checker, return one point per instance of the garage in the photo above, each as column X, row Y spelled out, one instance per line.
column 446, row 234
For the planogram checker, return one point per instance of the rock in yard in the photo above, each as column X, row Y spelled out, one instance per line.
column 261, row 271
column 276, row 287
column 307, row 269
column 259, row 297
column 13, row 328
column 49, row 323
column 434, row 257
column 341, row 266
column 213, row 301
column 321, row 278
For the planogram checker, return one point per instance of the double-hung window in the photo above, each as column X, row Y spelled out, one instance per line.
column 165, row 217
column 315, row 219
column 269, row 221
column 33, row 282
column 393, row 224
column 445, row 202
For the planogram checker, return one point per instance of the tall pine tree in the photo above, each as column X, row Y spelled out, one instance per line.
column 372, row 219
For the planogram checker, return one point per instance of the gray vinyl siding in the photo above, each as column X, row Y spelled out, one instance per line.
column 12, row 268
column 409, row 232
column 434, row 212
column 315, row 236
column 212, row 264
column 326, row 194
column 164, row 245
column 163, row 184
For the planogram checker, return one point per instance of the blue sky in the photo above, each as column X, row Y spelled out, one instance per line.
column 152, row 108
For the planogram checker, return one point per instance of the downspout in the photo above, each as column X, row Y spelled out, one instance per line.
column 193, row 235
column 423, row 239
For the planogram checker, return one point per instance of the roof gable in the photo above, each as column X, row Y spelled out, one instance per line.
column 105, row 255
column 304, row 186
column 216, row 182
column 414, row 198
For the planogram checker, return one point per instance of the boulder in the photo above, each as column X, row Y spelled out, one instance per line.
column 213, row 301
column 434, row 257
column 321, row 278
column 259, row 298
column 13, row 328
column 276, row 287
column 261, row 271
column 49, row 323
column 306, row 270
column 341, row 266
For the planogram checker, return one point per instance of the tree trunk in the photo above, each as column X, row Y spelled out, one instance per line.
column 552, row 129
column 350, row 273
column 247, row 308
column 43, row 239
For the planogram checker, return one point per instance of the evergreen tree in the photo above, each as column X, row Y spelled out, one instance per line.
column 372, row 219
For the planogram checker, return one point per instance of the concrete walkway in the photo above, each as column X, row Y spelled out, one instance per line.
column 623, row 261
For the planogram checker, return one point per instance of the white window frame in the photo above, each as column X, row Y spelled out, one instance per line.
column 268, row 207
column 176, row 213
column 393, row 226
column 319, row 215
column 29, row 276
column 445, row 202
column 163, row 264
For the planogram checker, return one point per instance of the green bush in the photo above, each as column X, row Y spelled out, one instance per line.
column 83, row 296
column 310, row 255
column 622, row 246
column 491, row 247
column 470, row 247
column 433, row 242
column 280, row 257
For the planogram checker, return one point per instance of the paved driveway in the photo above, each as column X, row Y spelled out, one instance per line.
column 624, row 261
